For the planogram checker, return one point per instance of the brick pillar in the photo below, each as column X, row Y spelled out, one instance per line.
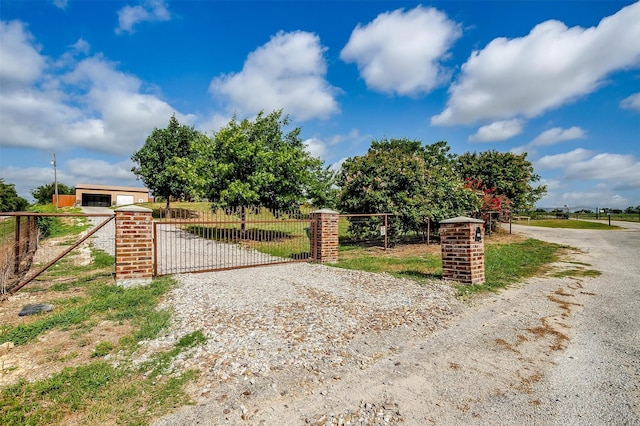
column 134, row 246
column 324, row 236
column 462, row 253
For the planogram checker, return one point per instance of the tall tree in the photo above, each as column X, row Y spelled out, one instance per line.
column 44, row 193
column 417, row 183
column 10, row 201
column 507, row 174
column 253, row 163
column 158, row 161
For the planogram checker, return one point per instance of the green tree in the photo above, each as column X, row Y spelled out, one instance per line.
column 44, row 193
column 417, row 183
column 507, row 174
column 631, row 210
column 10, row 201
column 255, row 164
column 322, row 191
column 159, row 161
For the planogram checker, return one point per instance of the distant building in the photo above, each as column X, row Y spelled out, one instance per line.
column 107, row 195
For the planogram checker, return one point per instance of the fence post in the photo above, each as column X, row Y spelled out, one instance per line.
column 134, row 246
column 462, row 245
column 324, row 236
column 17, row 249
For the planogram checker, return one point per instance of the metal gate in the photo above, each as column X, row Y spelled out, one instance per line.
column 196, row 245
column 23, row 254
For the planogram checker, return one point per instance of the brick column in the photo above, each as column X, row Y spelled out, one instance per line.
column 462, row 253
column 324, row 236
column 134, row 246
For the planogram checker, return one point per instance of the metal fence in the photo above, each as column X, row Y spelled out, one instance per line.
column 201, row 240
column 18, row 243
column 575, row 213
column 381, row 230
column 26, row 251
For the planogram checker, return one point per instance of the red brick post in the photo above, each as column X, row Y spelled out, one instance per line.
column 324, row 236
column 462, row 245
column 134, row 246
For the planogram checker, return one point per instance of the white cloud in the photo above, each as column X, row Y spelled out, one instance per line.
column 81, row 46
column 20, row 61
column 213, row 123
column 337, row 166
column 288, row 72
column 551, row 137
column 545, row 69
column 316, row 147
column 354, row 137
column 72, row 104
column 83, row 170
column 61, row 4
column 563, row 160
column 631, row 102
column 557, row 134
column 620, row 172
column 497, row 131
column 148, row 11
column 71, row 172
column 597, row 196
column 400, row 52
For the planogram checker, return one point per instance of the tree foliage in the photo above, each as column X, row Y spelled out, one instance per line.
column 507, row 174
column 417, row 183
column 159, row 160
column 44, row 193
column 253, row 163
column 10, row 201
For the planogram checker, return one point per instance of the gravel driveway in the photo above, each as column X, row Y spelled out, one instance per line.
column 310, row 344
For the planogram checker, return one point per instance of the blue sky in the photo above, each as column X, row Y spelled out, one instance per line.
column 89, row 80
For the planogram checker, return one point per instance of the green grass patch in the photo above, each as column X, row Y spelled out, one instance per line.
column 102, row 349
column 570, row 224
column 98, row 393
column 414, row 267
column 504, row 264
column 55, row 226
column 580, row 272
column 95, row 392
column 510, row 263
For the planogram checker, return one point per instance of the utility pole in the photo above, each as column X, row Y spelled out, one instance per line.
column 55, row 178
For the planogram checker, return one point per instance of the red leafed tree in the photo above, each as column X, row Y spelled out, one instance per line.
column 494, row 207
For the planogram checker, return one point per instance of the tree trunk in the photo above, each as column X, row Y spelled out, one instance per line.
column 167, row 209
column 243, row 219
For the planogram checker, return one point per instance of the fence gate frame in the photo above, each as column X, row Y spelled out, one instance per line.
column 19, row 252
column 232, row 246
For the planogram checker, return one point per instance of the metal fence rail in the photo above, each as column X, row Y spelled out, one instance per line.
column 191, row 241
column 24, row 254
column 18, row 243
column 379, row 230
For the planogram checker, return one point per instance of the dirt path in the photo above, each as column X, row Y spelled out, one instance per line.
column 550, row 351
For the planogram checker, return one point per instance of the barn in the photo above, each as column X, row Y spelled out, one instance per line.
column 108, row 195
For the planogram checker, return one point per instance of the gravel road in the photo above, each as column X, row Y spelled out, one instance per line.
column 309, row 344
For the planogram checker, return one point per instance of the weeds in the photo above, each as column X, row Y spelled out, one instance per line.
column 94, row 391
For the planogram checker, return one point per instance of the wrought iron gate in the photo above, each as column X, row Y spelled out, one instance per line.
column 196, row 245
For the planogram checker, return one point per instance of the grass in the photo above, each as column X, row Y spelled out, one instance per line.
column 510, row 263
column 51, row 226
column 505, row 264
column 570, row 224
column 415, row 267
column 95, row 391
